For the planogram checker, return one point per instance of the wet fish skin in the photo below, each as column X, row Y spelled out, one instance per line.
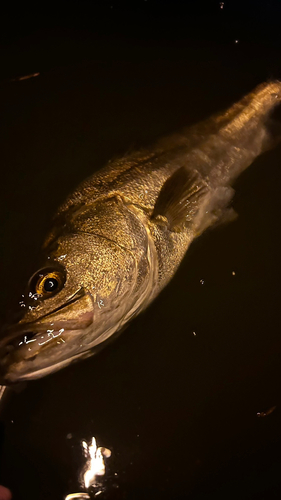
column 121, row 235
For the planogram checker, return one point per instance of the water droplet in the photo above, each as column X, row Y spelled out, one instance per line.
column 62, row 257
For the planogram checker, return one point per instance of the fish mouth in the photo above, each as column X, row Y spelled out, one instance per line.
column 25, row 334
column 23, row 342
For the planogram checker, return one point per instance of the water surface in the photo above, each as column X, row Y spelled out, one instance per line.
column 176, row 397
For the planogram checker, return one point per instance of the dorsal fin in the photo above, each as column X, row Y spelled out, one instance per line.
column 179, row 196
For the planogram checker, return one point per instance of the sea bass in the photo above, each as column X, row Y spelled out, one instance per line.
column 121, row 235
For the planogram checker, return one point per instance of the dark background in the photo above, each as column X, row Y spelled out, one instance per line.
column 178, row 411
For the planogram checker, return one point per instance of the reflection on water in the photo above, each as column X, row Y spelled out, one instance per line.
column 95, row 467
column 95, row 463
column 73, row 496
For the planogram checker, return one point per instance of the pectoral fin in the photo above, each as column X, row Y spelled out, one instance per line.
column 179, row 196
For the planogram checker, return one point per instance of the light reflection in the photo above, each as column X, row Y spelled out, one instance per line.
column 95, row 465
column 266, row 413
column 25, row 341
column 25, row 77
column 73, row 496
column 52, row 336
column 62, row 257
column 2, row 390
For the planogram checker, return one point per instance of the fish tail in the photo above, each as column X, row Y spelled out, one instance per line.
column 253, row 110
column 245, row 131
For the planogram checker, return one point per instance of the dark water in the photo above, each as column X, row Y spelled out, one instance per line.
column 177, row 410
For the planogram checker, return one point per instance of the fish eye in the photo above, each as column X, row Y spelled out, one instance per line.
column 48, row 282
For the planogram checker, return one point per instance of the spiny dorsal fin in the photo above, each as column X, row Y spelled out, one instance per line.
column 179, row 196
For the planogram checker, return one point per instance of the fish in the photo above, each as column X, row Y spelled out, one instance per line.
column 119, row 238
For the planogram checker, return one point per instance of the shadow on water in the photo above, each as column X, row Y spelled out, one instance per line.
column 176, row 397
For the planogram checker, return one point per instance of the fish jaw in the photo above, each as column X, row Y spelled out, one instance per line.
column 29, row 347
column 88, row 343
column 40, row 349
column 31, row 352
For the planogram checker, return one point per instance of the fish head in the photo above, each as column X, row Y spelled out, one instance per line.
column 73, row 302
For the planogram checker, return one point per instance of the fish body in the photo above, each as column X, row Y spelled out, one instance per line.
column 120, row 236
